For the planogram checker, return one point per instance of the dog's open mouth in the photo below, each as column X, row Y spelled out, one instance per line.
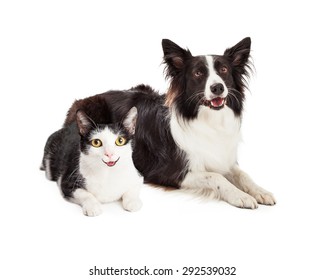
column 215, row 103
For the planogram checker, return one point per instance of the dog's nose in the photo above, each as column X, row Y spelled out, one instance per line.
column 217, row 88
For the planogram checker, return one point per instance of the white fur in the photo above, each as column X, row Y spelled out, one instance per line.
column 212, row 79
column 59, row 181
column 210, row 142
column 240, row 179
column 106, row 184
column 90, row 205
column 48, row 169
column 218, row 186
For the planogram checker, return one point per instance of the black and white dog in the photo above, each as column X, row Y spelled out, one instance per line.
column 189, row 137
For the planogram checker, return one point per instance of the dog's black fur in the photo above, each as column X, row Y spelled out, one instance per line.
column 156, row 155
column 186, row 89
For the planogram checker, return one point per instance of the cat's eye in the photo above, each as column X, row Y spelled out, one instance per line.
column 120, row 141
column 96, row 143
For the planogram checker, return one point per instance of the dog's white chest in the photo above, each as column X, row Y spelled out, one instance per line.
column 210, row 141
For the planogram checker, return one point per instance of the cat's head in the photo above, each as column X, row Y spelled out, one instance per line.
column 106, row 144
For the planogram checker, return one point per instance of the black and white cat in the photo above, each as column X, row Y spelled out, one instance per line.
column 92, row 163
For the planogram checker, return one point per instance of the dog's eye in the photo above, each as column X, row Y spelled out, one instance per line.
column 198, row 74
column 223, row 70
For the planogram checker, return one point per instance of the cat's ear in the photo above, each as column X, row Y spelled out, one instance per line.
column 130, row 120
column 83, row 122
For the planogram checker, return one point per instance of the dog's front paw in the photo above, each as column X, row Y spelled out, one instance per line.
column 132, row 205
column 92, row 208
column 264, row 197
column 243, row 200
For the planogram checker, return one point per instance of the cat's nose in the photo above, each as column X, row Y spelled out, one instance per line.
column 109, row 154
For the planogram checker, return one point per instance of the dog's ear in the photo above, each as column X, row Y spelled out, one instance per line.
column 239, row 54
column 174, row 57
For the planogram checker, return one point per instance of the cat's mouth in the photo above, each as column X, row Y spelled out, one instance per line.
column 111, row 163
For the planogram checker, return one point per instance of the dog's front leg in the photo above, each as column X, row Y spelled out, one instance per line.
column 241, row 179
column 216, row 183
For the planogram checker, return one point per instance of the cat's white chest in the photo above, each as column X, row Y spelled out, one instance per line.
column 210, row 141
column 106, row 183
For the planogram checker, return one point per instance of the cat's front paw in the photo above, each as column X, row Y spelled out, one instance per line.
column 132, row 205
column 92, row 208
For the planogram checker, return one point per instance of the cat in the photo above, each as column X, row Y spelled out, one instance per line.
column 92, row 163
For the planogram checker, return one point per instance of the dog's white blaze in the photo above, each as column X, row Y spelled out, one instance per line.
column 212, row 79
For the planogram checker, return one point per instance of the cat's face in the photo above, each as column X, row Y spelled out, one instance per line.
column 106, row 144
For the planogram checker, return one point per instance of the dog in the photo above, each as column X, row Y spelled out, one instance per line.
column 188, row 138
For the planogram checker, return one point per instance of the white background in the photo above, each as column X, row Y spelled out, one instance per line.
column 53, row 52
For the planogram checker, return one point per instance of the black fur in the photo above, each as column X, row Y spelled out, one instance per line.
column 63, row 148
column 155, row 153
column 181, row 67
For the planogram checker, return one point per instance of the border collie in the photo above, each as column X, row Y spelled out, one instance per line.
column 188, row 138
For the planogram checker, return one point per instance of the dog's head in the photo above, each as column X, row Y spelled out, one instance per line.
column 214, row 81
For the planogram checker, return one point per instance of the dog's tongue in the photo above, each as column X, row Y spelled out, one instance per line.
column 217, row 102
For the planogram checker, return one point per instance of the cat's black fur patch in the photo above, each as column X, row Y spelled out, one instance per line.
column 155, row 154
column 62, row 154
